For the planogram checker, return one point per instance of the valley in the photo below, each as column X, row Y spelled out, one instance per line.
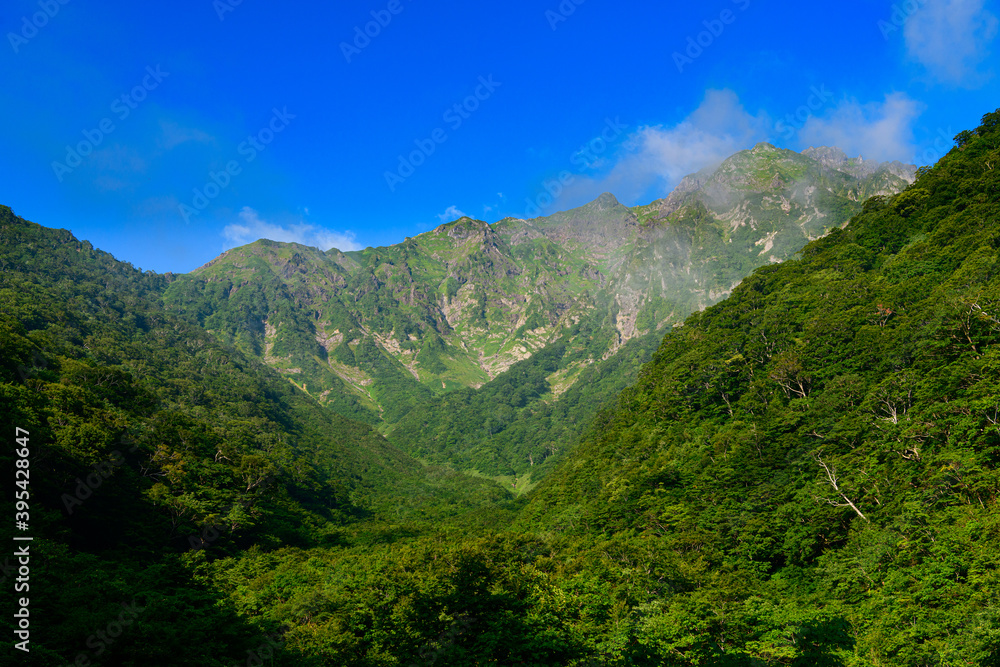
column 379, row 334
column 751, row 423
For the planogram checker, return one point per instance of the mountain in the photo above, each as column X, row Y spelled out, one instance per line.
column 459, row 305
column 143, row 438
column 806, row 473
column 809, row 471
column 384, row 335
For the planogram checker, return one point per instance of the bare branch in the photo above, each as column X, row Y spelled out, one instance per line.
column 831, row 478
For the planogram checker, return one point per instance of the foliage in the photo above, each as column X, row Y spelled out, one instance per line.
column 149, row 438
column 825, row 439
column 804, row 474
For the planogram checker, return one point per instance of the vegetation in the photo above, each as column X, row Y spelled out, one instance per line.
column 806, row 473
column 516, row 426
column 488, row 348
column 152, row 445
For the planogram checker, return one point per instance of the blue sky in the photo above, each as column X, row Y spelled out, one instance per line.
column 166, row 132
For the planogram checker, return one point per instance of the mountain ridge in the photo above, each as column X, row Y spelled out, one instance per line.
column 485, row 296
column 380, row 334
column 806, row 473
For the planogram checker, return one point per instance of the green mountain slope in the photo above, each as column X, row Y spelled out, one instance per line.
column 459, row 305
column 383, row 335
column 805, row 474
column 150, row 443
column 808, row 472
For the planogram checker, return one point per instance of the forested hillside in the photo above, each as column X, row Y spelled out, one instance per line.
column 515, row 428
column 807, row 473
column 803, row 474
column 151, row 444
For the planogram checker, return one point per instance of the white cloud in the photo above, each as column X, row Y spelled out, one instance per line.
column 951, row 38
column 663, row 155
column 174, row 135
column 451, row 213
column 717, row 129
column 251, row 228
column 878, row 131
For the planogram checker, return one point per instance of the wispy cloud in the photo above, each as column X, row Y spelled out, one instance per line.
column 714, row 131
column 174, row 134
column 663, row 154
column 251, row 228
column 450, row 213
column 876, row 130
column 952, row 39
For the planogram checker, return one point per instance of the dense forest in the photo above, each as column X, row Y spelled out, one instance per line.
column 803, row 474
column 153, row 444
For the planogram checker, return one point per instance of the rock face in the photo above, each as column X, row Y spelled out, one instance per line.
column 458, row 305
column 858, row 167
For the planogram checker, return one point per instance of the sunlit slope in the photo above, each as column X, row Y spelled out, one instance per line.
column 376, row 333
column 821, row 450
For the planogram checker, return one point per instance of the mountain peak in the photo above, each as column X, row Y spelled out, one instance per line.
column 764, row 147
column 826, row 154
column 464, row 228
column 606, row 200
